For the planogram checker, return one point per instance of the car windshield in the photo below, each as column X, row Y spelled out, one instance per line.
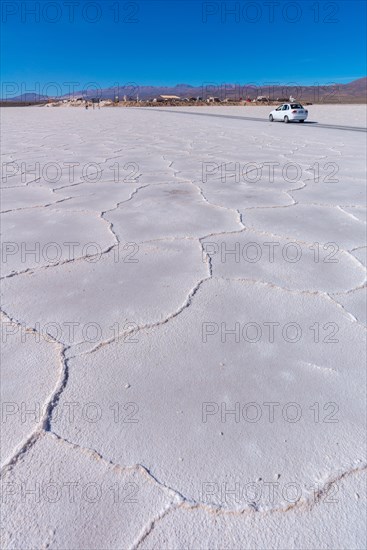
column 296, row 106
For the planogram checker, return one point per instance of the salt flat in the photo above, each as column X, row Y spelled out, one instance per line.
column 183, row 329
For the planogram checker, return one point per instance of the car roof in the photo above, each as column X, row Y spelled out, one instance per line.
column 292, row 103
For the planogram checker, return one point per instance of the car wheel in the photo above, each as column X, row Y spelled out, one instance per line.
column 286, row 119
column 301, row 120
column 271, row 118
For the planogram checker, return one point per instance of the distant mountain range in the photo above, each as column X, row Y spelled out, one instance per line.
column 27, row 98
column 353, row 91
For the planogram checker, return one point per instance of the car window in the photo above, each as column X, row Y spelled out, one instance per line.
column 296, row 106
column 279, row 108
column 285, row 107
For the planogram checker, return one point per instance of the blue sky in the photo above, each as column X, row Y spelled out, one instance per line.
column 182, row 41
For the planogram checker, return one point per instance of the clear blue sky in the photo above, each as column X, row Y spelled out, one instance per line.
column 183, row 41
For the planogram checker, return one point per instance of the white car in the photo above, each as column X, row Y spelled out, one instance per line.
column 288, row 112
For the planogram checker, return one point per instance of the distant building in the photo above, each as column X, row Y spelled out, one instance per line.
column 169, row 97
